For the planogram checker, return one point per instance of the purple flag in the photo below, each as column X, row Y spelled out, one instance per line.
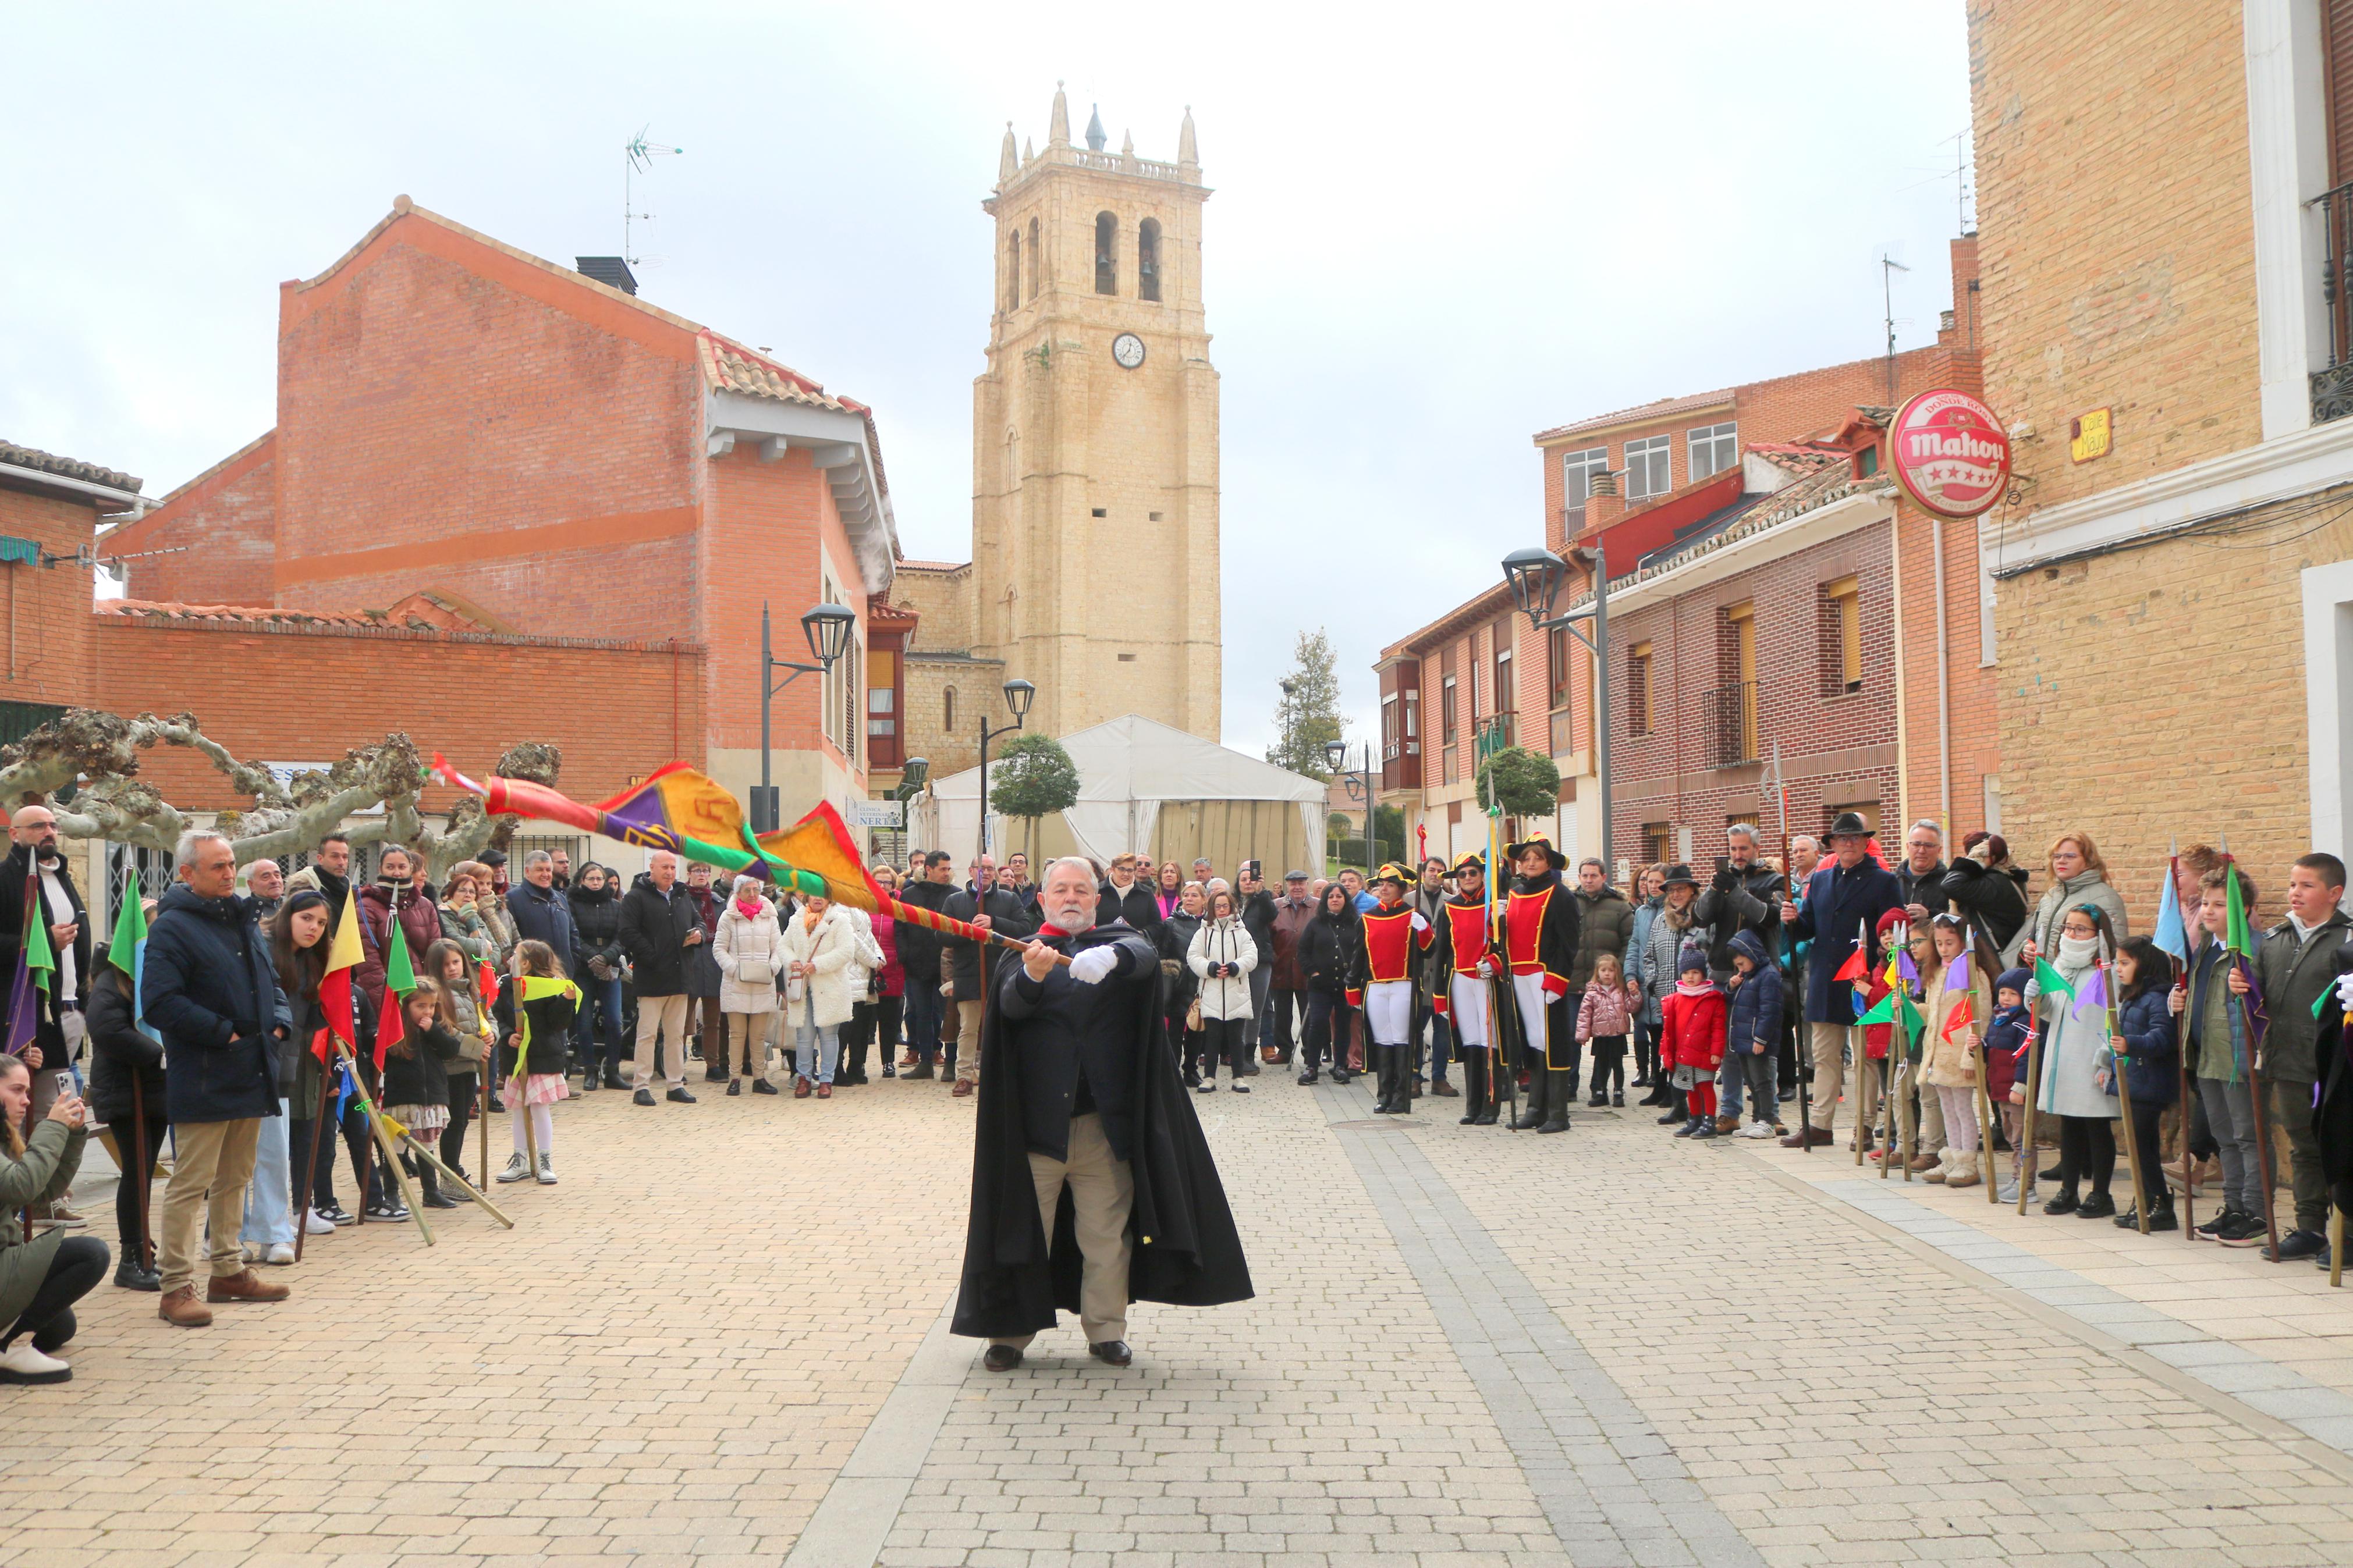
column 2092, row 991
column 24, row 995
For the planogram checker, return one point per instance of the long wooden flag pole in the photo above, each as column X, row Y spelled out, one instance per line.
column 393, row 1167
column 2117, row 1062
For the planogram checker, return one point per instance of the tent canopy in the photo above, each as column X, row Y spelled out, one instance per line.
column 1148, row 786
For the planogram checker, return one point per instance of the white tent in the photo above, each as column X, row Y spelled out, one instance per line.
column 1145, row 785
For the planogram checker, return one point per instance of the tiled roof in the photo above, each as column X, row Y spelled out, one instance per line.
column 932, row 565
column 1769, row 511
column 731, row 367
column 1665, row 408
column 67, row 467
column 1797, row 459
column 419, row 612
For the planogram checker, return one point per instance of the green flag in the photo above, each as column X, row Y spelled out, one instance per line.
column 2237, row 939
column 39, row 957
column 1915, row 1023
column 399, row 974
column 2051, row 981
column 1882, row 1011
column 130, row 929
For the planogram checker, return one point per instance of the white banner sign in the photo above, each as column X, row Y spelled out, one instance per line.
column 877, row 814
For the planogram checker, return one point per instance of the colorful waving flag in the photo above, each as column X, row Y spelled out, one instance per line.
column 2172, row 934
column 399, row 980
column 28, row 987
column 127, row 952
column 1858, row 964
column 1960, row 1018
column 674, row 804
column 1880, row 1012
column 819, row 842
column 344, row 951
column 2049, row 981
column 2237, row 937
column 2093, row 993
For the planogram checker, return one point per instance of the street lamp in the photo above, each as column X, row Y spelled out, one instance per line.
column 1360, row 789
column 1537, row 576
column 1018, row 694
column 826, row 626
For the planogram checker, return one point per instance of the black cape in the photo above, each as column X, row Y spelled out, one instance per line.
column 2332, row 1109
column 1187, row 1252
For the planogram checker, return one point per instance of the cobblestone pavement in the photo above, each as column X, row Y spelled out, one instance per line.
column 720, row 1340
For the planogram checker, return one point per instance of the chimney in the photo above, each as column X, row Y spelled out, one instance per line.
column 1603, row 507
column 608, row 269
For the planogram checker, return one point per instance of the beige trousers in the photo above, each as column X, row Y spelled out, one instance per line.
column 1102, row 1189
column 211, row 1165
column 1828, row 1042
column 667, row 1013
column 746, row 1051
column 968, row 1043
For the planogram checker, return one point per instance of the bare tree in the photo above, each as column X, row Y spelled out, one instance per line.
column 101, row 751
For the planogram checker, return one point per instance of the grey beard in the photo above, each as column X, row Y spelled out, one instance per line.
column 1070, row 922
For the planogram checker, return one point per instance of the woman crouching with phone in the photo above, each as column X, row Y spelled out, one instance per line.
column 40, row 1279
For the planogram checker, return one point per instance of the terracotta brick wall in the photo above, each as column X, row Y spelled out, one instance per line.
column 2117, row 239
column 47, row 607
column 442, row 421
column 766, row 524
column 215, row 538
column 1836, row 747
column 307, row 695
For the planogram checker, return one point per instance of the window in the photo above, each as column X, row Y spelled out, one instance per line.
column 947, row 709
column 1866, row 809
column 881, row 694
column 1013, row 272
column 1649, row 466
column 1714, row 448
column 1638, row 708
column 1737, row 708
column 1657, row 840
column 1841, row 637
column 1506, row 695
column 1106, row 254
column 1577, row 471
column 1557, row 667
column 1390, row 725
column 1412, row 719
column 1446, row 709
column 1147, row 260
column 1035, row 258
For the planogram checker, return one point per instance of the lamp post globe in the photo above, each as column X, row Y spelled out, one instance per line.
column 826, row 626
column 1336, row 754
column 1018, row 694
column 1536, row 575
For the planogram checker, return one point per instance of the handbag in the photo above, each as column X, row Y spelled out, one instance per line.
column 754, row 971
column 1193, row 1016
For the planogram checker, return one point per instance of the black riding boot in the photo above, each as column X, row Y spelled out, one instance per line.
column 1532, row 1112
column 1474, row 1085
column 1560, row 1087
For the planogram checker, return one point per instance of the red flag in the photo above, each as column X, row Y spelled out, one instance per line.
column 343, row 954
column 1856, row 967
column 1959, row 1018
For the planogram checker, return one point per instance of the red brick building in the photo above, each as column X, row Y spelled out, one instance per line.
column 1758, row 557
column 599, row 493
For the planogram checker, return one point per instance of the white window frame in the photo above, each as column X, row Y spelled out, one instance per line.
column 1717, row 441
column 1638, row 456
column 1577, row 471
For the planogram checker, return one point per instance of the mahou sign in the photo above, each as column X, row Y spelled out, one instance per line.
column 1949, row 452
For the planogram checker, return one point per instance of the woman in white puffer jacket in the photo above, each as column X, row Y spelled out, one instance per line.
column 1223, row 955
column 821, row 946
column 750, row 948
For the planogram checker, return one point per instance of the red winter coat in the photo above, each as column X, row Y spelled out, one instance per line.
column 1691, row 1030
column 420, row 922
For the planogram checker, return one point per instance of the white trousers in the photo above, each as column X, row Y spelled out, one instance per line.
column 1472, row 1024
column 1534, row 999
column 1388, row 1012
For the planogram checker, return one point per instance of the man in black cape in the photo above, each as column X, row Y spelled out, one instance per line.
column 1086, row 1136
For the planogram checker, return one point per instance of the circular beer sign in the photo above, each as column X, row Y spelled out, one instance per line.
column 1949, row 452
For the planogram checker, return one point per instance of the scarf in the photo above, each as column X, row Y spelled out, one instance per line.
column 1693, row 987
column 2076, row 954
column 809, row 918
column 748, row 908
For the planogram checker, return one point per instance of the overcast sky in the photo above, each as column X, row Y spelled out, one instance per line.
column 1433, row 234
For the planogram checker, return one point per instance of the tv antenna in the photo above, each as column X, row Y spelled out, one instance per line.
column 1888, row 268
column 638, row 155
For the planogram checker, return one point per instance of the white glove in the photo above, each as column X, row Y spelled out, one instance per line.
column 1090, row 967
column 2033, row 989
column 2344, row 991
column 1486, row 968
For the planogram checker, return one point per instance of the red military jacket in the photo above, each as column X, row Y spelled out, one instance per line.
column 1392, row 935
column 1461, row 944
column 1540, row 932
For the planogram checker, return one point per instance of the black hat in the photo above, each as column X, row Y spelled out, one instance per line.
column 1679, row 874
column 1537, row 841
column 494, row 859
column 1850, row 824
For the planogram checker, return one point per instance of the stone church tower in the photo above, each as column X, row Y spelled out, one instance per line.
column 1094, row 506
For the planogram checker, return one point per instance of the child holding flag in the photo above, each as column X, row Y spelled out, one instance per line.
column 535, row 1015
column 2008, row 1035
column 417, row 1078
column 2070, row 996
column 1953, row 1000
column 2226, row 1086
column 2152, row 1068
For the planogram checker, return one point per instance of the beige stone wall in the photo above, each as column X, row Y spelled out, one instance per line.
column 2116, row 242
column 943, row 601
column 978, row 684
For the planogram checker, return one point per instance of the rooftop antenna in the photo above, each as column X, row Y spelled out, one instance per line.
column 639, row 154
column 1888, row 268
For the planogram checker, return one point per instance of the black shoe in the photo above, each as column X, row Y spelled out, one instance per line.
column 1241, row 1088
column 613, row 1079
column 1307, row 1077
column 1641, row 1080
column 336, row 1215
column 645, row 1097
column 1617, row 1098
column 2213, row 1229
column 1596, row 1100
column 1486, row 1118
column 2299, row 1244
column 735, row 1086
column 1115, row 1352
column 2160, row 1215
column 1000, row 1358
column 2065, row 1203
column 762, row 1086
column 131, row 1277
column 679, row 1096
column 2053, row 1174
column 921, row 1069
column 1558, row 1123
column 387, row 1211
column 1527, row 1121
column 497, row 1106
column 588, row 1082
column 1469, row 1120
column 440, row 1200
column 2099, row 1206
column 1674, row 1116
column 1192, row 1080
column 889, row 1070
column 1342, row 1075
column 714, row 1073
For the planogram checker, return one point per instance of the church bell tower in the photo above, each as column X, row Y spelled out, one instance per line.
column 1094, row 505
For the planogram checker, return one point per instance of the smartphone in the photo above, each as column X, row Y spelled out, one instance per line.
column 65, row 1085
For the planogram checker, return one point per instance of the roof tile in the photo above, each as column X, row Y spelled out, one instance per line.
column 67, row 467
column 1664, row 408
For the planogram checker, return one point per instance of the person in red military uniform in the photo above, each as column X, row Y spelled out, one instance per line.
column 1396, row 936
column 1465, row 972
column 1540, row 948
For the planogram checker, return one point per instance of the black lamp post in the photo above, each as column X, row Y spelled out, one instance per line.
column 1018, row 697
column 1536, row 577
column 1360, row 788
column 826, row 626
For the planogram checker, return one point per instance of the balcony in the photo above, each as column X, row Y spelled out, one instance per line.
column 2332, row 389
column 1728, row 716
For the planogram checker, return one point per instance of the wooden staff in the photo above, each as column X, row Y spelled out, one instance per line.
column 2124, row 1102
column 426, row 1154
column 2240, row 1030
column 2030, row 1161
column 393, row 1167
column 1981, row 1060
column 2335, row 1246
column 2181, row 1055
column 310, row 1163
column 482, row 1104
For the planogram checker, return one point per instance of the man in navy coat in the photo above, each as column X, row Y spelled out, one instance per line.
column 1837, row 912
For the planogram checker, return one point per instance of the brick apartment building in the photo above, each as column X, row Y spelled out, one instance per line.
column 1758, row 559
column 574, row 503
column 2174, row 602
